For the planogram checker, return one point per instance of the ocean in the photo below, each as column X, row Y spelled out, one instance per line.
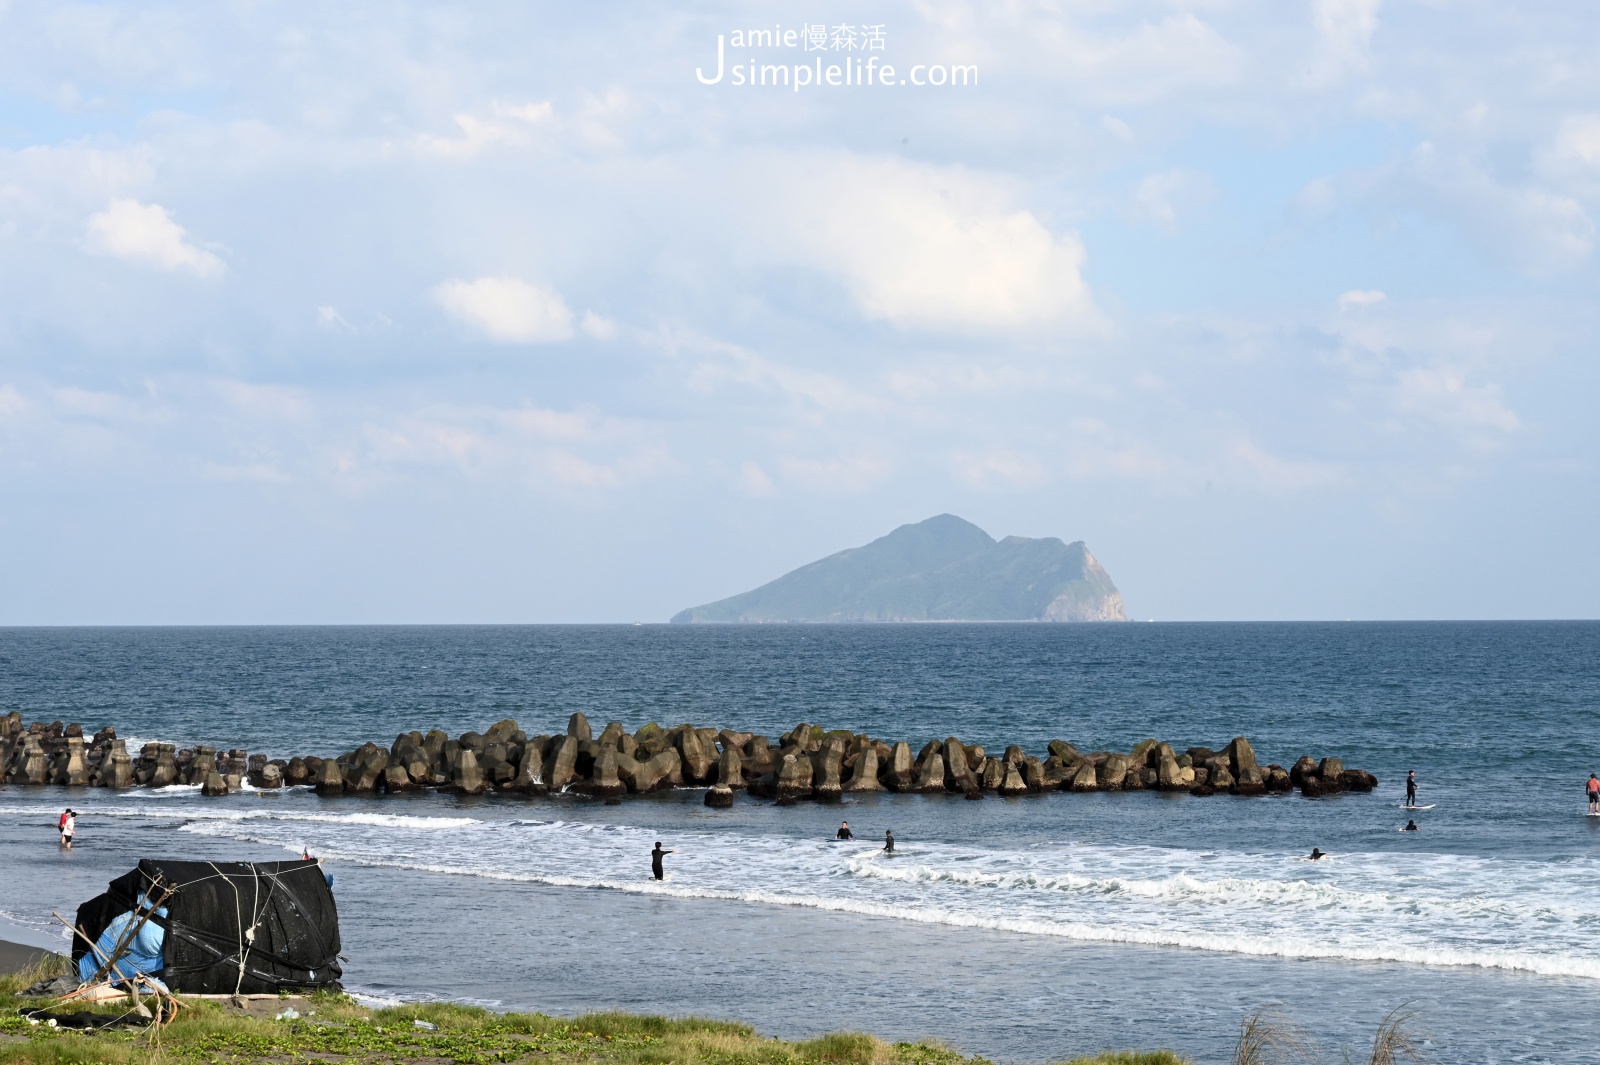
column 1028, row 929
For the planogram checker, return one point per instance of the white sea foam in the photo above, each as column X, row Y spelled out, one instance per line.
column 1432, row 909
column 1421, row 908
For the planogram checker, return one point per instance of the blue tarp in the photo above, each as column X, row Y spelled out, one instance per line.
column 144, row 953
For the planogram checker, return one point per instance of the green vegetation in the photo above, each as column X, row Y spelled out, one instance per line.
column 334, row 1028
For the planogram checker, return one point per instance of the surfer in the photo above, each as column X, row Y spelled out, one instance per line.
column 1317, row 855
column 655, row 861
column 888, row 841
column 1411, row 826
column 1411, row 788
column 844, row 831
column 1593, row 788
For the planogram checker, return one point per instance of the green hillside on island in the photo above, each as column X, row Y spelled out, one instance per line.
column 942, row 569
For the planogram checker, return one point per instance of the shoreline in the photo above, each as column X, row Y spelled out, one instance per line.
column 16, row 957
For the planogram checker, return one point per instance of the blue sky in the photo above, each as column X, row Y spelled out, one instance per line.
column 494, row 312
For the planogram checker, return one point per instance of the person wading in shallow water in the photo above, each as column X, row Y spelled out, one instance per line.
column 68, row 828
column 655, row 861
column 1317, row 855
column 888, row 841
column 1593, row 788
column 844, row 831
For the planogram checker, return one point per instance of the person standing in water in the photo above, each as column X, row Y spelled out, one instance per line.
column 1593, row 788
column 1411, row 788
column 1317, row 854
column 844, row 831
column 888, row 841
column 69, row 828
column 655, row 861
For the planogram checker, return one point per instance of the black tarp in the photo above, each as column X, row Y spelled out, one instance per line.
column 288, row 907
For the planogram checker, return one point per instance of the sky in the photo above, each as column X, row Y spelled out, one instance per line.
column 540, row 312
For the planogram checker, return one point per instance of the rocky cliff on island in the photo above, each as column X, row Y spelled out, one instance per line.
column 942, row 569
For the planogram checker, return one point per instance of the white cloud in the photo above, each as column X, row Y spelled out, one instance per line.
column 597, row 328
column 1345, row 28
column 754, row 481
column 505, row 124
column 1167, row 198
column 507, row 310
column 847, row 476
column 145, row 234
column 1279, row 474
column 1360, row 298
column 330, row 319
column 926, row 246
column 998, row 468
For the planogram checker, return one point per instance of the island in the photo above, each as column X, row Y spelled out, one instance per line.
column 941, row 569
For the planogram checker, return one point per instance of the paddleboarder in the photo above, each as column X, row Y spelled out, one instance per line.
column 1411, row 788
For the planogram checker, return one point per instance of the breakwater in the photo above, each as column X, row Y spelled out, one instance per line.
column 808, row 762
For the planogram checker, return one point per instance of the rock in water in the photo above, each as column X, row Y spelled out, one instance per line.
column 562, row 764
column 794, row 777
column 1169, row 777
column 329, row 779
column 119, row 767
column 1013, row 784
column 930, row 778
column 730, row 770
column 578, row 727
column 604, row 780
column 1087, row 778
column 865, row 775
column 901, row 772
column 697, row 762
column 1241, row 757
column 957, row 768
column 826, row 770
column 166, row 767
column 465, row 776
column 1112, row 772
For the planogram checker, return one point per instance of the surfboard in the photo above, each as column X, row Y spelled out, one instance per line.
column 1591, row 815
column 1403, row 806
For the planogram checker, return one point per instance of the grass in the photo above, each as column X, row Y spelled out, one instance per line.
column 336, row 1029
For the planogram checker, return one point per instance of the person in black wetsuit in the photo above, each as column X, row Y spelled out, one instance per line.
column 1411, row 826
column 655, row 861
column 1411, row 788
column 1317, row 855
column 844, row 831
column 888, row 841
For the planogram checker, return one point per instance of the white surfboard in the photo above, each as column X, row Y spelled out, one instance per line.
column 1403, row 806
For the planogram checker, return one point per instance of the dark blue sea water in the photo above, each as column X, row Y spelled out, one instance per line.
column 1028, row 929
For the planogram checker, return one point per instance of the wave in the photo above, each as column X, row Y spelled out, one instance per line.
column 1413, row 908
column 1225, row 941
column 375, row 820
